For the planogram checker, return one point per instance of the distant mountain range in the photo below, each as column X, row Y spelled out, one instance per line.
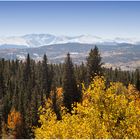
column 37, row 40
column 118, row 52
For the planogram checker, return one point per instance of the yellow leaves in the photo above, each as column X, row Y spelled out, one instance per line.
column 132, row 94
column 99, row 82
column 106, row 112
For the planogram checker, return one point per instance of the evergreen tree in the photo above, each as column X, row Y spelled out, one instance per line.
column 27, row 94
column 137, row 82
column 2, row 93
column 2, row 85
column 15, row 98
column 27, row 71
column 71, row 93
column 94, row 64
column 55, row 105
column 50, row 78
column 45, row 77
column 83, row 73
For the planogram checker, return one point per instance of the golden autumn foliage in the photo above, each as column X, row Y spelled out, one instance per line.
column 14, row 119
column 105, row 112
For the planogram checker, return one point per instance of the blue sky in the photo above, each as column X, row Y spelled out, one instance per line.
column 104, row 19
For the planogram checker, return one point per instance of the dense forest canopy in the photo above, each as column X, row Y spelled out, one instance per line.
column 37, row 94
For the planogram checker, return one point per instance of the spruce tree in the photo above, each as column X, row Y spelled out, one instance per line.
column 94, row 64
column 137, row 81
column 51, row 76
column 34, row 109
column 15, row 100
column 2, row 93
column 71, row 93
column 83, row 73
column 2, row 85
column 27, row 93
column 27, row 71
column 45, row 77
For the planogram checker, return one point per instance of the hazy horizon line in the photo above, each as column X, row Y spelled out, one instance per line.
column 69, row 35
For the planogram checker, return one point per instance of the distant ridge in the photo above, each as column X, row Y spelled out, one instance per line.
column 123, row 55
column 37, row 40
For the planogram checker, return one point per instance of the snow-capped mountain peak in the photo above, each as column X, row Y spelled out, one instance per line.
column 37, row 40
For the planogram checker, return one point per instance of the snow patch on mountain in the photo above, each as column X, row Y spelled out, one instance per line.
column 127, row 40
column 13, row 41
column 37, row 40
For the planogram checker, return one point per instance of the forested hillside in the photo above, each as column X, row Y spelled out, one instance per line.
column 65, row 100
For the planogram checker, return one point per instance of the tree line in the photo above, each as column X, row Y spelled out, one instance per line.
column 27, row 85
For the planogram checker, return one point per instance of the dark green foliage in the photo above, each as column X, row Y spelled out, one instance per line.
column 27, row 71
column 15, row 99
column 2, row 94
column 71, row 93
column 55, row 106
column 2, row 85
column 137, row 79
column 45, row 77
column 94, row 64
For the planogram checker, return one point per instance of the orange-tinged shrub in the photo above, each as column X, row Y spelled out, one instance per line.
column 59, row 91
column 14, row 119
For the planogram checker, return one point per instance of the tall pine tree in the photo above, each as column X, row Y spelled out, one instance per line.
column 94, row 64
column 45, row 77
column 27, row 71
column 2, row 93
column 137, row 79
column 71, row 93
